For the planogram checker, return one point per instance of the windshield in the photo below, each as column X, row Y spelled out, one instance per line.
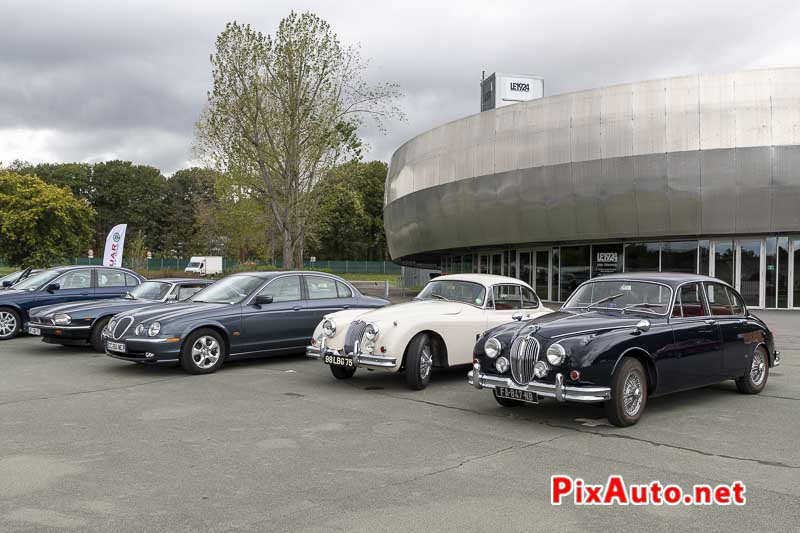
column 194, row 265
column 11, row 277
column 454, row 291
column 619, row 295
column 230, row 290
column 37, row 280
column 150, row 290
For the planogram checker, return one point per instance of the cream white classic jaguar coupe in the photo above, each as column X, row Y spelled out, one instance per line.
column 437, row 329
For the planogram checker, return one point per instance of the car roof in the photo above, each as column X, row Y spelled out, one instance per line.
column 183, row 280
column 266, row 274
column 487, row 280
column 672, row 279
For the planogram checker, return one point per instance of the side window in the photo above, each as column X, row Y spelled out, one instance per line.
column 506, row 297
column 736, row 300
column 185, row 291
column 718, row 300
column 689, row 302
column 529, row 299
column 285, row 289
column 343, row 290
column 320, row 288
column 77, row 279
column 130, row 281
column 110, row 278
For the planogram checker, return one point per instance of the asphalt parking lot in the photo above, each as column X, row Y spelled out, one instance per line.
column 88, row 443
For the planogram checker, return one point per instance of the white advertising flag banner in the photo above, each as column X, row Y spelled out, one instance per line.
column 115, row 242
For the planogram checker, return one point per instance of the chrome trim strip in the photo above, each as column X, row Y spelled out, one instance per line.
column 50, row 327
column 558, row 390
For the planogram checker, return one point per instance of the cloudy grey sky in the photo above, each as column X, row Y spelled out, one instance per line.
column 93, row 80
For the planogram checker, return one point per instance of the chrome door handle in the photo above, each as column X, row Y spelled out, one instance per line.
column 296, row 308
column 710, row 321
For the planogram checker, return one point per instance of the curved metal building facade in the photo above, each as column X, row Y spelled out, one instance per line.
column 703, row 159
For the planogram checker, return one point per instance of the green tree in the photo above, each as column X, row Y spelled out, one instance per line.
column 190, row 206
column 349, row 221
column 41, row 224
column 283, row 111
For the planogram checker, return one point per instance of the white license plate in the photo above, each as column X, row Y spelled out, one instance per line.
column 115, row 346
column 514, row 394
column 338, row 360
column 34, row 331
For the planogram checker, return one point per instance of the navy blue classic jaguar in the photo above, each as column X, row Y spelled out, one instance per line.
column 82, row 322
column 61, row 285
column 622, row 338
column 245, row 315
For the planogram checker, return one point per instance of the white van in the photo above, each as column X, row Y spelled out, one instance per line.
column 205, row 265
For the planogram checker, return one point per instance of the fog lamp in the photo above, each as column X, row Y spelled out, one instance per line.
column 540, row 369
column 501, row 365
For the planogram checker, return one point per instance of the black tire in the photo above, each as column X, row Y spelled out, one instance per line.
column 506, row 402
column 419, row 362
column 756, row 378
column 96, row 337
column 10, row 323
column 341, row 372
column 631, row 374
column 195, row 360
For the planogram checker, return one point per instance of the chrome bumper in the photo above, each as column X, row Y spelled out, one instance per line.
column 557, row 390
column 364, row 360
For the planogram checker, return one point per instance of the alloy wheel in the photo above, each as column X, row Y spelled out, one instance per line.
column 8, row 323
column 205, row 352
column 425, row 362
column 757, row 367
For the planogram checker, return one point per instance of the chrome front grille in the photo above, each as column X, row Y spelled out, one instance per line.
column 355, row 333
column 122, row 327
column 524, row 351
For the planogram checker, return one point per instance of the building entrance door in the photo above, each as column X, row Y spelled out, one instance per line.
column 750, row 271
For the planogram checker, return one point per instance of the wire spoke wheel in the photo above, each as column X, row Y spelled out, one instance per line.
column 757, row 368
column 425, row 362
column 632, row 394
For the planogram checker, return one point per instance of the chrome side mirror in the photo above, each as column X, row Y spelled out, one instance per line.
column 643, row 326
column 517, row 317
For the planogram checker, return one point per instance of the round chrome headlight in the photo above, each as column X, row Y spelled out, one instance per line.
column 501, row 365
column 61, row 319
column 540, row 369
column 493, row 348
column 371, row 333
column 329, row 328
column 139, row 329
column 154, row 328
column 556, row 354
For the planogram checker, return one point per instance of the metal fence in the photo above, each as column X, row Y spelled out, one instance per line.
column 338, row 267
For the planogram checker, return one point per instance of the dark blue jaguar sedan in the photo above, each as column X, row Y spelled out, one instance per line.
column 61, row 285
column 82, row 322
column 253, row 314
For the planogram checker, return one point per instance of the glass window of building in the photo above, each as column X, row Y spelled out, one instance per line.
column 606, row 259
column 575, row 268
column 511, row 263
column 642, row 257
column 554, row 272
column 771, row 278
column 483, row 267
column 703, row 248
column 783, row 272
column 525, row 266
column 679, row 257
column 750, row 272
column 497, row 264
column 542, row 273
column 796, row 280
column 723, row 261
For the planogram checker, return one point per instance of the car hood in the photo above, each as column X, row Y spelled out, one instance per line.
column 121, row 304
column 10, row 294
column 167, row 312
column 418, row 309
column 566, row 322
